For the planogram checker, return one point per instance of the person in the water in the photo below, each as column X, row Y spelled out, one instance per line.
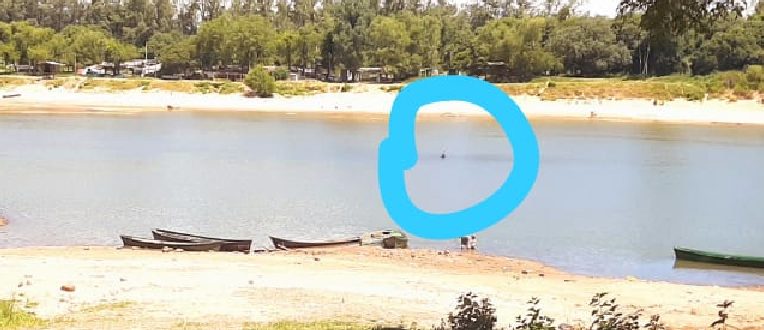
column 443, row 155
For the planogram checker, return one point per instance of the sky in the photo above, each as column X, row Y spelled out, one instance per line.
column 600, row 7
column 608, row 7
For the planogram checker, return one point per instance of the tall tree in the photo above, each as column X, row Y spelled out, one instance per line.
column 665, row 20
column 589, row 47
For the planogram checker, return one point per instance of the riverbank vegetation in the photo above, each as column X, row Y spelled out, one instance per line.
column 475, row 313
column 728, row 85
column 12, row 317
column 502, row 40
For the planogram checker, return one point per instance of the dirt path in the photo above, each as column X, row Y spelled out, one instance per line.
column 151, row 289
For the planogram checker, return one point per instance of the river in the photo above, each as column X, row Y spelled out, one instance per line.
column 612, row 199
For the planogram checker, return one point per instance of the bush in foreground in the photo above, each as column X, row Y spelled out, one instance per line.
column 474, row 313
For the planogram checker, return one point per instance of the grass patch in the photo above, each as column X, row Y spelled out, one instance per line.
column 107, row 307
column 392, row 89
column 296, row 88
column 323, row 325
column 723, row 85
column 14, row 81
column 11, row 317
column 173, row 86
column 55, row 83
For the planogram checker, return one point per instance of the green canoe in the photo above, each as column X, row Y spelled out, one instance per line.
column 718, row 258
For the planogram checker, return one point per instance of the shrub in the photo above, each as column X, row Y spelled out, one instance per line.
column 635, row 77
column 472, row 313
column 230, row 88
column 533, row 320
column 754, row 74
column 260, row 82
column 742, row 92
column 731, row 79
column 694, row 93
column 607, row 316
column 281, row 74
column 715, row 86
column 723, row 314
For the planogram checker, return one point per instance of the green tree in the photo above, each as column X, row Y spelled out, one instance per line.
column 174, row 50
column 665, row 20
column 240, row 40
column 589, row 47
column 287, row 47
column 86, row 45
column 392, row 40
column 517, row 42
column 117, row 52
column 424, row 49
column 346, row 42
column 458, row 45
column 308, row 45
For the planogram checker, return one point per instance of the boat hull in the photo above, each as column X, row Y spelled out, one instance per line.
column 718, row 258
column 241, row 245
column 291, row 244
column 147, row 243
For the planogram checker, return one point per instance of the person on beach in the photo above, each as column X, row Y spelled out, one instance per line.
column 468, row 242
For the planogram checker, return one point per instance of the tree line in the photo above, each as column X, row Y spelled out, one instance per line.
column 509, row 39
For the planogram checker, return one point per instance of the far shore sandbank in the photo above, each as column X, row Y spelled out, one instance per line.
column 34, row 99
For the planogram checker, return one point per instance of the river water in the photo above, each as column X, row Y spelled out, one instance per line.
column 612, row 199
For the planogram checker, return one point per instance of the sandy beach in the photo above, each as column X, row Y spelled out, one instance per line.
column 35, row 98
column 185, row 290
column 156, row 290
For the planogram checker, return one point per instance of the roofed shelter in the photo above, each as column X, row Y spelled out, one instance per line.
column 49, row 68
column 370, row 75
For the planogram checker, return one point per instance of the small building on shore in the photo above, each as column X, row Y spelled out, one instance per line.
column 50, row 68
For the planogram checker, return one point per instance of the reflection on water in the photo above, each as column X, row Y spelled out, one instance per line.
column 611, row 199
column 708, row 273
column 683, row 264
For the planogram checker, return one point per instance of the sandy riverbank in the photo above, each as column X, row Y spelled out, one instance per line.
column 38, row 99
column 151, row 289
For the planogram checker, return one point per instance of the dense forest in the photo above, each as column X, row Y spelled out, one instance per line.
column 519, row 38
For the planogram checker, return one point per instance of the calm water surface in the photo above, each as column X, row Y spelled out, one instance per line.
column 612, row 199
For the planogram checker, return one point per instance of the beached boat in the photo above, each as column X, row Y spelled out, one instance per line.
column 242, row 245
column 376, row 237
column 148, row 243
column 718, row 258
column 283, row 243
column 395, row 241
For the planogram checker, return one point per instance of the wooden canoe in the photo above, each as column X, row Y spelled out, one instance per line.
column 283, row 243
column 148, row 243
column 718, row 258
column 241, row 245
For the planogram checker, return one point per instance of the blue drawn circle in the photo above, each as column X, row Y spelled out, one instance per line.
column 397, row 153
